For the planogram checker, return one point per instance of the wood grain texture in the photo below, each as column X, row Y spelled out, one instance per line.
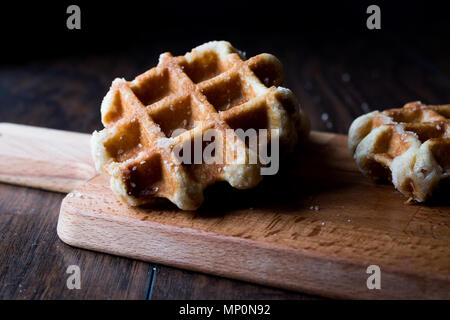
column 193, row 285
column 34, row 261
column 64, row 92
column 44, row 158
column 314, row 228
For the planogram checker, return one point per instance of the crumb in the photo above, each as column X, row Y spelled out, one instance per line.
column 346, row 77
column 365, row 107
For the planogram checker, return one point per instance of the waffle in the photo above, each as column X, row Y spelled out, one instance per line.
column 212, row 87
column 410, row 146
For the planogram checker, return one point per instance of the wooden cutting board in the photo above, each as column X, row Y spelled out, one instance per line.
column 316, row 227
column 44, row 158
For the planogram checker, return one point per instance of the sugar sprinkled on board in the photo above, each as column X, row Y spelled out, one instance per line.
column 326, row 119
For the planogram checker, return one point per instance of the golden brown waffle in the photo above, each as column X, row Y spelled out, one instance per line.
column 211, row 87
column 410, row 145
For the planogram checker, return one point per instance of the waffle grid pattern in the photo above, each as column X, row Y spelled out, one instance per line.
column 211, row 87
column 410, row 146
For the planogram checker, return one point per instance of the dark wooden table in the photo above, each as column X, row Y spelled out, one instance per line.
column 334, row 83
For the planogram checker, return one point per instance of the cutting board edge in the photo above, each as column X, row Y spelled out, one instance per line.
column 75, row 226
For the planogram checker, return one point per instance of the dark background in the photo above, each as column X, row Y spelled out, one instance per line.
column 38, row 29
column 54, row 77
